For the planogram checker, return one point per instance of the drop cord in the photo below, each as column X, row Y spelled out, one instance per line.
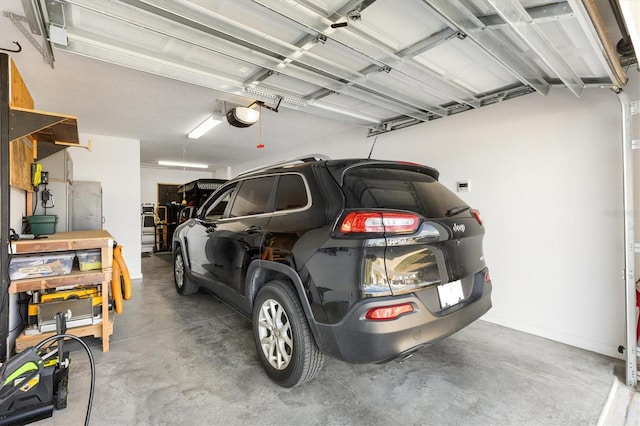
column 91, row 363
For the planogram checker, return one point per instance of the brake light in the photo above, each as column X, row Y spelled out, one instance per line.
column 476, row 215
column 385, row 313
column 397, row 223
column 410, row 163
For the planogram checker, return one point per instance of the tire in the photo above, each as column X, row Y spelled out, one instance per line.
column 184, row 285
column 285, row 345
column 61, row 395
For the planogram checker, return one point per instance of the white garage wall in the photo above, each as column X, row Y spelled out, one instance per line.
column 546, row 175
column 115, row 162
column 18, row 200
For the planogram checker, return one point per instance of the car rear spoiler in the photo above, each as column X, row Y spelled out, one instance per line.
column 340, row 168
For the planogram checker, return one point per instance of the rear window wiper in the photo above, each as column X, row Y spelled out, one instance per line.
column 456, row 210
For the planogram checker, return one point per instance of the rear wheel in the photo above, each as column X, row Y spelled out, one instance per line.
column 61, row 394
column 284, row 342
column 184, row 285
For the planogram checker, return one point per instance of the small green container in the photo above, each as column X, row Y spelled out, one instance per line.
column 42, row 224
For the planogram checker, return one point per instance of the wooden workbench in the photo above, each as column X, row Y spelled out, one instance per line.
column 69, row 241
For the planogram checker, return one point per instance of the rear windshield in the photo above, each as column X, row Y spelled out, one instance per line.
column 371, row 188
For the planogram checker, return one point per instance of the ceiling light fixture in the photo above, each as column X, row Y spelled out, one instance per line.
column 204, row 127
column 183, row 164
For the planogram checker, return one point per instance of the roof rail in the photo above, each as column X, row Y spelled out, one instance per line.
column 310, row 158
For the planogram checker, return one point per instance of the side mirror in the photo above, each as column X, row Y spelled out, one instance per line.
column 187, row 213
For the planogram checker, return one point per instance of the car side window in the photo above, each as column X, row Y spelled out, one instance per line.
column 292, row 193
column 253, row 197
column 216, row 210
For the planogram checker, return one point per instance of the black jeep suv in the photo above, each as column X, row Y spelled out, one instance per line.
column 362, row 260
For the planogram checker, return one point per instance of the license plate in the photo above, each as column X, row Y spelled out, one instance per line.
column 450, row 294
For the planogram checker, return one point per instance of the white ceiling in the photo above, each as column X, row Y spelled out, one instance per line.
column 376, row 74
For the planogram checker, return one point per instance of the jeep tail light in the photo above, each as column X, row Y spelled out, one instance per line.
column 387, row 222
column 385, row 313
column 476, row 215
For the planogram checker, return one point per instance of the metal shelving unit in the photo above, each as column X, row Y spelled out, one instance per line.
column 148, row 226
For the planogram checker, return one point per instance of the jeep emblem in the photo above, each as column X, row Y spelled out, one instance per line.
column 458, row 228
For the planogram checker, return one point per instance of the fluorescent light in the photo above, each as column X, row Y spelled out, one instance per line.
column 204, row 127
column 182, row 164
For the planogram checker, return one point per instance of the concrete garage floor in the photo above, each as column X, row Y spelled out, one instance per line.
column 192, row 361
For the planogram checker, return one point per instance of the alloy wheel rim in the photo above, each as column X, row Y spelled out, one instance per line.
column 276, row 338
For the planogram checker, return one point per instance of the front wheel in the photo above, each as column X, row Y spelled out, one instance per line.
column 184, row 285
column 284, row 342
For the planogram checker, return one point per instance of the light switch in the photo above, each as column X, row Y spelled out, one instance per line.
column 463, row 186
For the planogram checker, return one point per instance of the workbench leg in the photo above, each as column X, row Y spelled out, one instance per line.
column 105, row 316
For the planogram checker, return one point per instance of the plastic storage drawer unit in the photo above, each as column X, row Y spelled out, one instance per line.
column 45, row 265
column 89, row 260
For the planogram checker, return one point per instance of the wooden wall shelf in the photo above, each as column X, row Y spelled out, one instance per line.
column 33, row 134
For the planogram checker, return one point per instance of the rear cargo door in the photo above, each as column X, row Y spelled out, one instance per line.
column 428, row 256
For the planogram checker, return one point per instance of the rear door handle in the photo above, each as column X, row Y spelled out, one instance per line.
column 253, row 230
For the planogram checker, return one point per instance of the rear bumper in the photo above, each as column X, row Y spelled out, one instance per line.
column 358, row 340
